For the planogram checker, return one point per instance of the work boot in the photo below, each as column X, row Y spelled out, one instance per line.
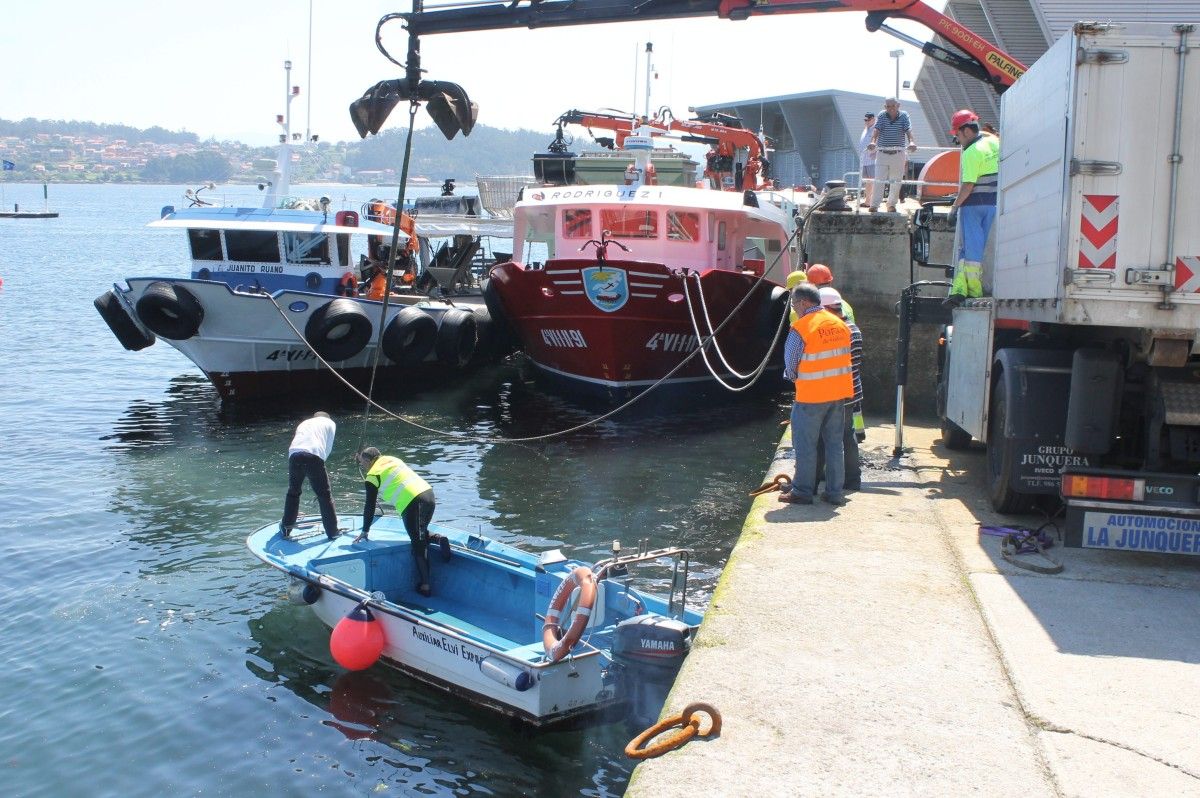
column 284, row 532
column 953, row 301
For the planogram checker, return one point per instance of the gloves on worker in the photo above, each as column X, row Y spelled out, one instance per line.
column 952, row 217
column 860, row 427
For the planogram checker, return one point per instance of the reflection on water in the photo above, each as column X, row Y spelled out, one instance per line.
column 421, row 737
column 141, row 633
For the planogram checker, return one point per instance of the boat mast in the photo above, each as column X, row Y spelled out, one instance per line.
column 649, row 72
column 280, row 179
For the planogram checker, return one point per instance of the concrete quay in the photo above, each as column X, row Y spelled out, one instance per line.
column 886, row 648
column 869, row 256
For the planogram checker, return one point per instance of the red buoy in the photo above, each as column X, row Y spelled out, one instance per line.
column 357, row 640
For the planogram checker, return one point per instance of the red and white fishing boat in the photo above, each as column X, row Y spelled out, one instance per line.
column 614, row 284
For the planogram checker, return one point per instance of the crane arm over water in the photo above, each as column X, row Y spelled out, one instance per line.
column 978, row 58
column 697, row 130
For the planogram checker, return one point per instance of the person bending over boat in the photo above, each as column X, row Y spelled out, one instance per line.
column 306, row 458
column 390, row 480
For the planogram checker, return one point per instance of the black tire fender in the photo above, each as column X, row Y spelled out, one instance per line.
column 409, row 337
column 170, row 311
column 113, row 311
column 338, row 330
column 772, row 311
column 502, row 333
column 457, row 337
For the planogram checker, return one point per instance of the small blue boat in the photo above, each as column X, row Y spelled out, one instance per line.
column 483, row 632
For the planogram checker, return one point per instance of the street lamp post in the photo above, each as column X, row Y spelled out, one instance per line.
column 896, row 54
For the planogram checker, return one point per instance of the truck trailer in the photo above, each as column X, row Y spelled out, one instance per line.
column 1081, row 370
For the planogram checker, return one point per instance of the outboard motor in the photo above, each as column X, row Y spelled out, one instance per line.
column 649, row 650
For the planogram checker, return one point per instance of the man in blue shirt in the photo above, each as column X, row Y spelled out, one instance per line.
column 891, row 142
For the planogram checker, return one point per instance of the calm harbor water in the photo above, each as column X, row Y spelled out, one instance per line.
column 149, row 654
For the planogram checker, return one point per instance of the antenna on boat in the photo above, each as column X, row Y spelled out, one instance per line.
column 308, row 100
column 279, row 184
column 649, row 72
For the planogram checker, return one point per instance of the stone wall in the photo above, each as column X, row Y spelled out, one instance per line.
column 869, row 257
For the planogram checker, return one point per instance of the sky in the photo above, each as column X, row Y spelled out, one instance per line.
column 216, row 68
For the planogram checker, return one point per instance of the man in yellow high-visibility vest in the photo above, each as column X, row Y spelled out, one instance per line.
column 390, row 480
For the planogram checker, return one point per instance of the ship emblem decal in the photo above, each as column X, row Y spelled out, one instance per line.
column 607, row 288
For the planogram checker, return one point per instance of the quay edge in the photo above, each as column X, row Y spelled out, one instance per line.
column 886, row 648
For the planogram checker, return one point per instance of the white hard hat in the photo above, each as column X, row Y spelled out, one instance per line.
column 830, row 296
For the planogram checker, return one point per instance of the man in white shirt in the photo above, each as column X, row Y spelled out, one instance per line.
column 866, row 160
column 306, row 458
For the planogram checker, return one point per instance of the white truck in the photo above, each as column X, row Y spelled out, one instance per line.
column 1081, row 370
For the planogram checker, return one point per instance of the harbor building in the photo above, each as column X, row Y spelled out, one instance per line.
column 814, row 135
column 1024, row 29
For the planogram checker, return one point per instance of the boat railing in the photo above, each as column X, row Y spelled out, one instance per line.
column 234, row 199
column 498, row 193
column 643, row 553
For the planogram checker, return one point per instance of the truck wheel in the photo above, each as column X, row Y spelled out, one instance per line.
column 1001, row 458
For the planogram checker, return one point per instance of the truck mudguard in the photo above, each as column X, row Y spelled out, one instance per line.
column 1037, row 386
column 1095, row 404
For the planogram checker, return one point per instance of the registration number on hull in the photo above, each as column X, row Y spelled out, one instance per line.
column 671, row 342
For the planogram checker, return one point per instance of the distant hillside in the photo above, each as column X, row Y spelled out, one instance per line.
column 60, row 151
column 28, row 128
column 487, row 151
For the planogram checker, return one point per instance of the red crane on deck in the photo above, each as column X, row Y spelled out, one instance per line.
column 978, row 57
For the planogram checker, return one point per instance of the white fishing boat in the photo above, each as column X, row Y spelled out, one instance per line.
column 535, row 636
column 276, row 298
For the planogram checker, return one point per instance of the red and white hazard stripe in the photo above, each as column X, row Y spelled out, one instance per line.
column 1098, row 232
column 1187, row 274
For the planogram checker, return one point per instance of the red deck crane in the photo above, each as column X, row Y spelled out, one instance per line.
column 726, row 136
column 979, row 58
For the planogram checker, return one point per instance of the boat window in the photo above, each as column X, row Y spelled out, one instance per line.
column 256, row 246
column 206, row 244
column 629, row 222
column 577, row 223
column 720, row 236
column 306, row 248
column 683, row 226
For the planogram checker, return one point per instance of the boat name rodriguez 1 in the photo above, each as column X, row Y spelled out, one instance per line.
column 596, row 193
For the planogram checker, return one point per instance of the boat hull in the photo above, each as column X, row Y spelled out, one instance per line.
column 251, row 345
column 574, row 338
column 483, row 618
column 451, row 663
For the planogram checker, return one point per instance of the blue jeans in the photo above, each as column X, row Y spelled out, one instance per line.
column 852, row 473
column 975, row 221
column 813, row 423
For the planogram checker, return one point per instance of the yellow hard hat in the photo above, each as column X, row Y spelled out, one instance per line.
column 795, row 278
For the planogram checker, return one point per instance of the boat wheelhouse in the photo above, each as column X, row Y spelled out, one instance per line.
column 614, row 286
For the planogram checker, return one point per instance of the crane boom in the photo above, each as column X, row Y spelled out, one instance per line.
column 980, row 58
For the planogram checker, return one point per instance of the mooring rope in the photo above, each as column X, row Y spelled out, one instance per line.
column 752, row 376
